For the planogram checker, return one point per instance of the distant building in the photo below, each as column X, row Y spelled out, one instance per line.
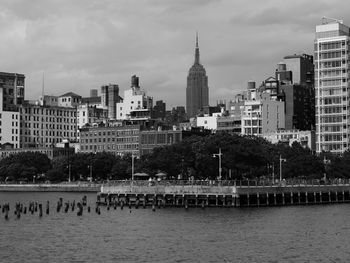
column 12, row 85
column 176, row 116
column 9, row 126
column 91, row 115
column 136, row 105
column 219, row 123
column 44, row 126
column 156, row 138
column 109, row 99
column 295, row 86
column 118, row 140
column 69, row 99
column 261, row 115
column 49, row 100
column 305, row 138
column 197, row 91
column 159, row 110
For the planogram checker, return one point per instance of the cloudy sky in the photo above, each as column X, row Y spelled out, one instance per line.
column 83, row 44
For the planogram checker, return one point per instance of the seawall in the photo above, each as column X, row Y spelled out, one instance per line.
column 50, row 187
column 225, row 194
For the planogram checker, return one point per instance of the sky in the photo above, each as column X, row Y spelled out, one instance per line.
column 80, row 45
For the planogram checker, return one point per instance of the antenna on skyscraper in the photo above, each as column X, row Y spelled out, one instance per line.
column 326, row 20
column 43, row 89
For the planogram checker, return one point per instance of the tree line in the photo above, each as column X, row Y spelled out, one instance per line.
column 243, row 157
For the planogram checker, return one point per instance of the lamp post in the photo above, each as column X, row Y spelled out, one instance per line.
column 219, row 155
column 69, row 172
column 325, row 162
column 271, row 167
column 281, row 160
column 90, row 167
column 132, row 166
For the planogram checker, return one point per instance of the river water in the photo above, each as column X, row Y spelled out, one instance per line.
column 270, row 234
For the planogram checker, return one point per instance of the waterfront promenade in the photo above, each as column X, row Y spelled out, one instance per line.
column 226, row 193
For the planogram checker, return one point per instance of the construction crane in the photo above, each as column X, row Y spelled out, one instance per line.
column 326, row 20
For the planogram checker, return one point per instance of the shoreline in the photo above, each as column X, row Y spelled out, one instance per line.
column 69, row 187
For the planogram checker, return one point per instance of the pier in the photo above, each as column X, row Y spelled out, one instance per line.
column 224, row 193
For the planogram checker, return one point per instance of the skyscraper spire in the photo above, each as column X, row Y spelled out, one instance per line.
column 196, row 59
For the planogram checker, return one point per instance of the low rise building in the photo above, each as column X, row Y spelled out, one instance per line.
column 151, row 139
column 44, row 126
column 305, row 138
column 118, row 140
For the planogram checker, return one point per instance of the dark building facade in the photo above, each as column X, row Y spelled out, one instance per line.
column 296, row 87
column 159, row 110
column 13, row 90
column 197, row 91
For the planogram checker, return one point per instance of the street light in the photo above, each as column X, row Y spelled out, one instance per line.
column 90, row 167
column 281, row 160
column 132, row 165
column 272, row 167
column 219, row 155
column 69, row 172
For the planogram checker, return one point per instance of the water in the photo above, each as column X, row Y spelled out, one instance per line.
column 274, row 234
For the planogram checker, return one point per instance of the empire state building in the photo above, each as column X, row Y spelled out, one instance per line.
column 197, row 91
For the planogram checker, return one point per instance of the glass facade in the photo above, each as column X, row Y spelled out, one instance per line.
column 332, row 88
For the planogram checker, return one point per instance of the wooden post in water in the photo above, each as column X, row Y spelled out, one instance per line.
column 40, row 210
column 80, row 209
column 315, row 201
column 258, row 199
column 298, row 198
column 267, row 199
column 6, row 213
column 336, row 196
column 47, row 207
column 329, row 197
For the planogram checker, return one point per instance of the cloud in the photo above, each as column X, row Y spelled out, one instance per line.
column 84, row 44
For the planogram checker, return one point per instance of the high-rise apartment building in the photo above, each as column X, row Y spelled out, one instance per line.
column 197, row 91
column 332, row 91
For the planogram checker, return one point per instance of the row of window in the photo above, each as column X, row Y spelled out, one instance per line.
column 50, row 133
column 109, row 147
column 330, row 110
column 336, row 100
column 332, row 45
column 331, row 119
column 333, row 147
column 110, row 133
column 331, row 128
column 40, row 111
column 118, row 140
column 49, row 119
column 333, row 137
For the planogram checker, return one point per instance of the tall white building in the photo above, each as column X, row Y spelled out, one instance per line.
column 332, row 86
column 136, row 104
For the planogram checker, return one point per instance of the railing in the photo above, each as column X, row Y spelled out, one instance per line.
column 236, row 183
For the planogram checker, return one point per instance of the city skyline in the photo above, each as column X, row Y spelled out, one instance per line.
column 83, row 45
